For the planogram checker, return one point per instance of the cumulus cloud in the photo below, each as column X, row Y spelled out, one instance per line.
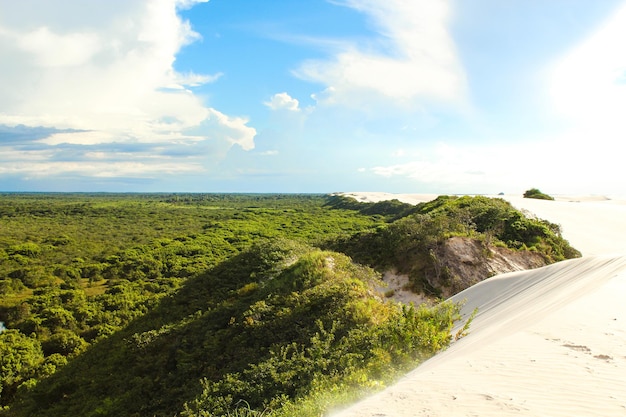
column 233, row 129
column 51, row 49
column 283, row 101
column 413, row 57
column 441, row 164
column 103, row 72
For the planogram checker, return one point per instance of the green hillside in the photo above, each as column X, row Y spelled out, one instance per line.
column 216, row 304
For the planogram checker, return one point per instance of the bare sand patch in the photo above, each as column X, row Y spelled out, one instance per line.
column 398, row 288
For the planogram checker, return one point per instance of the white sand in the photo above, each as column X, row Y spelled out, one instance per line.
column 546, row 342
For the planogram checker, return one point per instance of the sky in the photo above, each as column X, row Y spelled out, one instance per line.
column 313, row 96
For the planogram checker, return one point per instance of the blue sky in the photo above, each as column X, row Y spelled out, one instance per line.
column 414, row 96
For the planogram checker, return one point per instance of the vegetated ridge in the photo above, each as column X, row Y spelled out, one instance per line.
column 209, row 304
column 451, row 243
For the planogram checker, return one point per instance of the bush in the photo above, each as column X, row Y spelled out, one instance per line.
column 28, row 249
column 20, row 356
column 535, row 193
column 65, row 343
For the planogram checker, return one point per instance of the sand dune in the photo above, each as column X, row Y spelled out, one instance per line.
column 546, row 342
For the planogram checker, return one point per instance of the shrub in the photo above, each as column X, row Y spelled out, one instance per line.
column 65, row 343
column 20, row 356
column 28, row 249
column 535, row 193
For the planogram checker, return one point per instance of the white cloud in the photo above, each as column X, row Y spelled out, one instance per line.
column 104, row 169
column 414, row 57
column 588, row 84
column 280, row 101
column 587, row 87
column 440, row 164
column 233, row 129
column 78, row 138
column 57, row 50
column 564, row 164
column 106, row 69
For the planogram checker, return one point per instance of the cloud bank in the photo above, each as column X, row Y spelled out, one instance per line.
column 411, row 59
column 98, row 76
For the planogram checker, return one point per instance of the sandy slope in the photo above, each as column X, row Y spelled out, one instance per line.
column 546, row 342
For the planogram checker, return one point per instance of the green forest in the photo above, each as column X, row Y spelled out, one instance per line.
column 224, row 304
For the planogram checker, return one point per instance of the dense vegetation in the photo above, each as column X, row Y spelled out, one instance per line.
column 536, row 193
column 410, row 243
column 203, row 304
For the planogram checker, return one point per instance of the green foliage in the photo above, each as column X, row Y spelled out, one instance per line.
column 93, row 270
column 214, row 304
column 410, row 244
column 269, row 326
column 390, row 209
column 535, row 193
column 355, row 335
column 65, row 343
column 496, row 218
column 20, row 356
column 25, row 249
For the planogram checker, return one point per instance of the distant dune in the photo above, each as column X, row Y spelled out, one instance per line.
column 545, row 342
